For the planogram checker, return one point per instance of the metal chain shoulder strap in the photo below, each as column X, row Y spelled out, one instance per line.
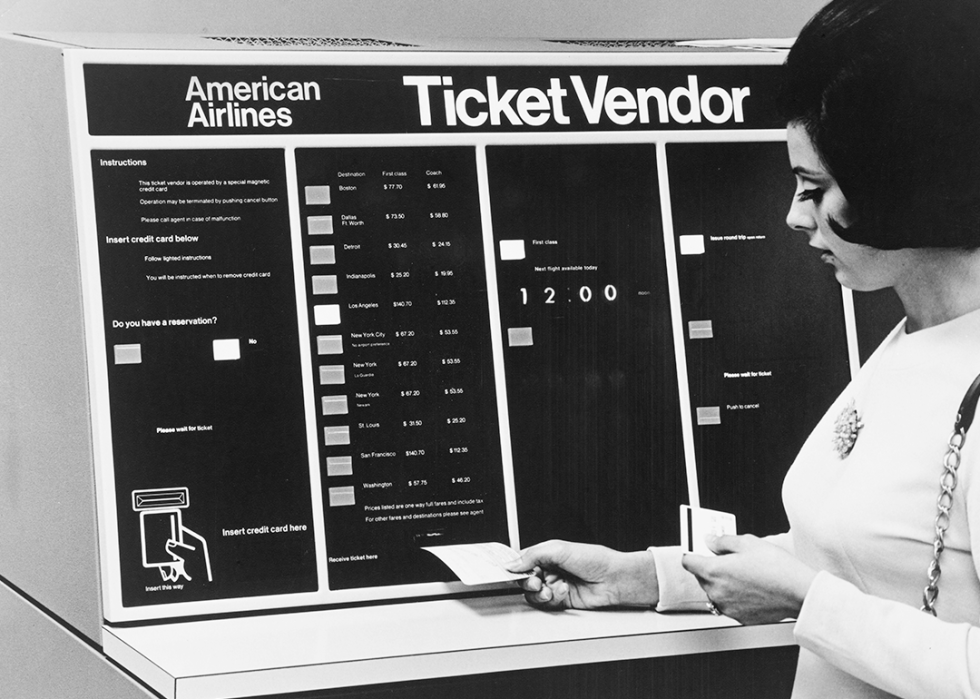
column 947, row 484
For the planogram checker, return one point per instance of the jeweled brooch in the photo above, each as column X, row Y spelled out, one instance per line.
column 846, row 430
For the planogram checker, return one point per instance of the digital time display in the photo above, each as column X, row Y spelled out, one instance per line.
column 583, row 294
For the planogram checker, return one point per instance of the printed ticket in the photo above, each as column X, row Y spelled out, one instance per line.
column 478, row 564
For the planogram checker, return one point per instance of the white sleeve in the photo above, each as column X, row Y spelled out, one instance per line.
column 888, row 644
column 680, row 590
column 896, row 646
column 783, row 541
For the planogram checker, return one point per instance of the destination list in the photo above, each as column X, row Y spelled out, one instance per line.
column 400, row 331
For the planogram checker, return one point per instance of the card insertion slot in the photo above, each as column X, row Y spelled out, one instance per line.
column 159, row 498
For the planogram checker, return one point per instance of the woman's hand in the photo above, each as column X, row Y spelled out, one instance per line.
column 751, row 580
column 567, row 575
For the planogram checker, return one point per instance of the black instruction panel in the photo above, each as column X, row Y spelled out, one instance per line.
column 206, row 401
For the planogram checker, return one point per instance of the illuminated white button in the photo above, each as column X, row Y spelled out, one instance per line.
column 709, row 415
column 332, row 375
column 322, row 255
column 511, row 249
column 520, row 337
column 226, row 350
column 692, row 244
column 329, row 344
column 700, row 330
column 327, row 315
column 340, row 466
column 319, row 225
column 325, row 284
column 127, row 354
column 318, row 194
column 336, row 436
column 334, row 405
column 341, row 497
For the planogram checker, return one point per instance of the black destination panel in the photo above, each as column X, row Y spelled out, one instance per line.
column 403, row 365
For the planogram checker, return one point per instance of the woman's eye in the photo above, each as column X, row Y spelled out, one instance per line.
column 815, row 195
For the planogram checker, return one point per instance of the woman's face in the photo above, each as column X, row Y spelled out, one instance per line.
column 817, row 200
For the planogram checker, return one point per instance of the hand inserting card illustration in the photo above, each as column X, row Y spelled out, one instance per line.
column 166, row 543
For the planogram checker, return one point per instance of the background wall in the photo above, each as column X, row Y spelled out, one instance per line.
column 394, row 19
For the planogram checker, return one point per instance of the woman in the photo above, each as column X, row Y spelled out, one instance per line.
column 882, row 99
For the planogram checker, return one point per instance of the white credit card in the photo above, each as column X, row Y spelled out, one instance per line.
column 699, row 522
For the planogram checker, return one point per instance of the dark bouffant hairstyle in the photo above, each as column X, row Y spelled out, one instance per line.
column 889, row 93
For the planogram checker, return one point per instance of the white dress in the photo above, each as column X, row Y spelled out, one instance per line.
column 867, row 523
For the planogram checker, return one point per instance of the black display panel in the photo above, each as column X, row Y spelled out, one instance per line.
column 589, row 355
column 763, row 324
column 206, row 384
column 205, row 389
column 403, row 364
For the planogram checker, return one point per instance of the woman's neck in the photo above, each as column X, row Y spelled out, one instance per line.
column 940, row 285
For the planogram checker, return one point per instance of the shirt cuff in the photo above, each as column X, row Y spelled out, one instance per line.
column 679, row 590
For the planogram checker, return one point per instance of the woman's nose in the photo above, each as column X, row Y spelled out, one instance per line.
column 799, row 217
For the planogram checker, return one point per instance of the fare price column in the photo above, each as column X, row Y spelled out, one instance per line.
column 404, row 374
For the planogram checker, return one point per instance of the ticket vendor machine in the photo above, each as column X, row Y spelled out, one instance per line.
column 279, row 314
